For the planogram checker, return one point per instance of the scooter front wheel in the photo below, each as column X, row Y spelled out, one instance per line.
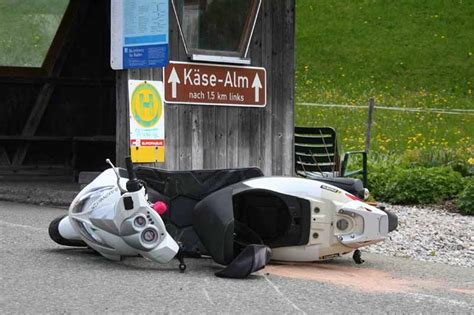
column 58, row 238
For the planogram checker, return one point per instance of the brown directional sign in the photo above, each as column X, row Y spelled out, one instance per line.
column 213, row 84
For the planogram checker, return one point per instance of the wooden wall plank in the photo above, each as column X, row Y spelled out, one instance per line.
column 185, row 114
column 185, row 128
column 171, row 111
column 278, row 110
column 209, row 137
column 266, row 120
column 244, row 138
column 122, row 125
column 288, row 66
column 220, row 122
column 157, row 75
column 232, row 154
column 197, row 134
column 255, row 129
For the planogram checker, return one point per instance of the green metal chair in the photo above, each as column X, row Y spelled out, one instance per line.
column 317, row 155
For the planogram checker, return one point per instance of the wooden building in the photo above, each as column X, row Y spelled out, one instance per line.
column 72, row 113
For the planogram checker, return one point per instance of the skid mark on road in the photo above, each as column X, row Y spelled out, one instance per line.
column 22, row 226
column 361, row 279
column 464, row 291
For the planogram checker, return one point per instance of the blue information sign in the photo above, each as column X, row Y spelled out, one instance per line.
column 139, row 34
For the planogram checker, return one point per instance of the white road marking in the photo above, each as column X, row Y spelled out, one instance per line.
column 283, row 296
column 207, row 296
column 437, row 299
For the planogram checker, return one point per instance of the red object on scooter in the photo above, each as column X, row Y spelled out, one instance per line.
column 160, row 207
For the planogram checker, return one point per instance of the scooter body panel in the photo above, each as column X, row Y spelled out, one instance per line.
column 339, row 222
column 117, row 224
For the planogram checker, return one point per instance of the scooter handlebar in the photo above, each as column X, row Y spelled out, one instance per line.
column 130, row 170
column 133, row 183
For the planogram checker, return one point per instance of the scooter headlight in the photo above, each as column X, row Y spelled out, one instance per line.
column 149, row 237
column 139, row 221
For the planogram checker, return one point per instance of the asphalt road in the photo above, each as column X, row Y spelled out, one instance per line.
column 38, row 276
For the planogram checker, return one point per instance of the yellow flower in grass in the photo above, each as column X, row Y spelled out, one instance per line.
column 470, row 161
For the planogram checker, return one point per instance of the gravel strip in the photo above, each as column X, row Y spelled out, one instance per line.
column 430, row 233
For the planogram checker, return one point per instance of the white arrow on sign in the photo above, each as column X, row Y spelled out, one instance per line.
column 257, row 85
column 174, row 80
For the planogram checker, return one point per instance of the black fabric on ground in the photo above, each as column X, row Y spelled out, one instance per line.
column 252, row 258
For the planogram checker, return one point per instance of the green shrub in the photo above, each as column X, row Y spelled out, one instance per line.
column 417, row 176
column 381, row 168
column 378, row 179
column 419, row 185
column 466, row 198
column 457, row 159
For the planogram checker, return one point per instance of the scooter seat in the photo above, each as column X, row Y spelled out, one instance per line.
column 194, row 184
column 182, row 190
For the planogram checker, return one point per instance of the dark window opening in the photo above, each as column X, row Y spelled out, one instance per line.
column 216, row 27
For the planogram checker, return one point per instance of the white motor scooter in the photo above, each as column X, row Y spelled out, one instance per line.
column 239, row 217
column 116, row 222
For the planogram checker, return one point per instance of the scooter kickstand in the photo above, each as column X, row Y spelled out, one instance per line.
column 180, row 257
column 357, row 256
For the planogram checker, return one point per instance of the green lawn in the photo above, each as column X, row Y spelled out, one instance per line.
column 392, row 131
column 27, row 28
column 417, row 53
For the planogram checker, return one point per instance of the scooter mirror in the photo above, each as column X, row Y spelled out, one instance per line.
column 122, row 191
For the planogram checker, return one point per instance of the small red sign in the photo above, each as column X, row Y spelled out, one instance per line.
column 213, row 84
column 147, row 143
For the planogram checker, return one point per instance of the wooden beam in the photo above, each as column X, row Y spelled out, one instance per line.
column 97, row 138
column 36, row 170
column 60, row 81
column 4, row 159
column 34, row 120
column 26, row 72
column 35, row 138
